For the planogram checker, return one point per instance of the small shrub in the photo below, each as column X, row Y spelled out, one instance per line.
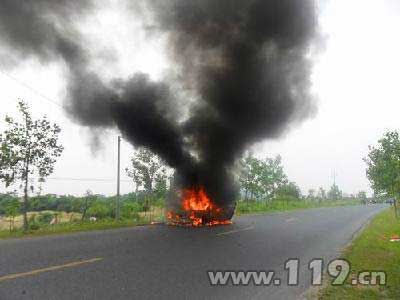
column 131, row 211
column 34, row 226
column 99, row 210
column 32, row 218
column 45, row 218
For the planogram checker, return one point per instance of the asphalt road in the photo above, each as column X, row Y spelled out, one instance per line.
column 162, row 262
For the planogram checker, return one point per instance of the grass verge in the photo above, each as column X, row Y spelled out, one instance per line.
column 251, row 207
column 65, row 228
column 372, row 251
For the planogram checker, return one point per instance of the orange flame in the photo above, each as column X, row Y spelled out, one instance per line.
column 198, row 209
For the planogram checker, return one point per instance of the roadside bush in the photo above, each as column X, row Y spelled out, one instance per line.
column 45, row 217
column 158, row 202
column 32, row 218
column 131, row 210
column 99, row 210
column 250, row 206
column 287, row 198
column 34, row 226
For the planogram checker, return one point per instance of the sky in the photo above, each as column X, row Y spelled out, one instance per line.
column 355, row 81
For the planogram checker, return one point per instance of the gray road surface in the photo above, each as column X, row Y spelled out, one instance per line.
column 162, row 262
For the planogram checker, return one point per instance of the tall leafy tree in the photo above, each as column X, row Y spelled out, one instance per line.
column 271, row 176
column 248, row 176
column 321, row 194
column 335, row 193
column 261, row 178
column 362, row 196
column 86, row 203
column 383, row 166
column 311, row 194
column 290, row 189
column 28, row 148
column 148, row 171
column 134, row 174
column 161, row 183
column 12, row 209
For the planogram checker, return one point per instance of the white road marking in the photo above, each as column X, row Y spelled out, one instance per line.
column 235, row 231
column 291, row 220
column 49, row 269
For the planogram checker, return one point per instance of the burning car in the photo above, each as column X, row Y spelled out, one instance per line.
column 197, row 209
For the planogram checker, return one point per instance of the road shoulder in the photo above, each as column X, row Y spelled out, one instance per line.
column 370, row 251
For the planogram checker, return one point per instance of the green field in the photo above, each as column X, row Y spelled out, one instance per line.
column 66, row 226
column 62, row 217
column 372, row 251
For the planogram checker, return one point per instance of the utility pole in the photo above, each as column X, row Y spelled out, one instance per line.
column 117, row 206
column 335, row 186
column 334, row 177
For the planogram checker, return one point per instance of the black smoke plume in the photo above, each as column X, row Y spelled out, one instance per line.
column 245, row 65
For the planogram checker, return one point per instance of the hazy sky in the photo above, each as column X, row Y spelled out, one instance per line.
column 356, row 81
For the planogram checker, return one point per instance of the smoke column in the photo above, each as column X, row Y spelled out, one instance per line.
column 245, row 65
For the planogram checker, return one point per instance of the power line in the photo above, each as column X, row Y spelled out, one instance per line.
column 20, row 82
column 84, row 179
column 31, row 89
column 117, row 208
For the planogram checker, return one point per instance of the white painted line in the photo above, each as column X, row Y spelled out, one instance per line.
column 235, row 231
column 49, row 269
column 291, row 220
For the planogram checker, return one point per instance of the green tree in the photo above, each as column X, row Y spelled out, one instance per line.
column 45, row 218
column 290, row 189
column 334, row 193
column 311, row 194
column 271, row 176
column 161, row 184
column 261, row 178
column 130, row 210
column 28, row 147
column 86, row 203
column 12, row 209
column 383, row 166
column 134, row 174
column 4, row 199
column 321, row 194
column 362, row 196
column 98, row 210
column 147, row 171
column 249, row 169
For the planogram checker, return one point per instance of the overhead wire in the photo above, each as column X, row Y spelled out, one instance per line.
column 33, row 90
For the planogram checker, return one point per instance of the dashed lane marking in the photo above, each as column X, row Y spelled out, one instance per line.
column 49, row 269
column 235, row 231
